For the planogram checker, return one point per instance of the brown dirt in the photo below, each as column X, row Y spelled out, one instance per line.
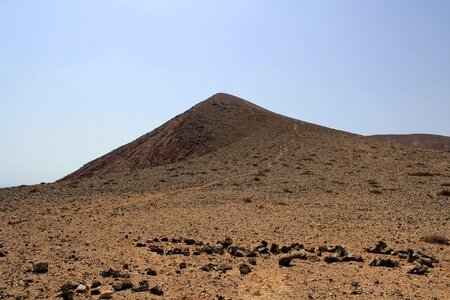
column 430, row 141
column 284, row 182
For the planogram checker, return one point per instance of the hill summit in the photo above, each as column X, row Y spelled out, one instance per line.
column 216, row 122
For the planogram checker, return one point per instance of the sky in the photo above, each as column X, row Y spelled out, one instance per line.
column 78, row 78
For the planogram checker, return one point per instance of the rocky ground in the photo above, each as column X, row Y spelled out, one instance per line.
column 293, row 211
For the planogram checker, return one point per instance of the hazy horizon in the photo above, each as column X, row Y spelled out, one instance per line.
column 80, row 78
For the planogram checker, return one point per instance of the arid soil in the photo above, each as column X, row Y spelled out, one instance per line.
column 431, row 141
column 195, row 228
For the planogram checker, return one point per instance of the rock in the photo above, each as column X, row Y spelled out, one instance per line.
column 311, row 249
column 340, row 250
column 426, row 261
column 186, row 252
column 140, row 245
column 156, row 249
column 224, row 268
column 106, row 294
column 69, row 286
column 112, row 273
column 66, row 295
column 251, row 254
column 189, row 241
column 209, row 267
column 380, row 248
column 352, row 257
column 151, row 272
column 227, row 242
column 237, row 251
column 124, row 285
column 142, row 287
column 182, row 265
column 285, row 249
column 274, row 249
column 95, row 291
column 40, row 266
column 157, row 290
column 95, row 284
column 285, row 260
column 389, row 263
column 333, row 258
column 164, row 239
column 2, row 253
column 244, row 269
column 81, row 289
column 176, row 241
column 252, row 261
column 418, row 269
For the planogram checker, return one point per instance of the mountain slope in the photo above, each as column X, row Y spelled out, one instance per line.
column 431, row 141
column 214, row 123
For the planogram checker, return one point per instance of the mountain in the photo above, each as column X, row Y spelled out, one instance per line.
column 212, row 124
column 431, row 141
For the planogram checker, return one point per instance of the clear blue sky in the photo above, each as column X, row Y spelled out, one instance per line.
column 79, row 78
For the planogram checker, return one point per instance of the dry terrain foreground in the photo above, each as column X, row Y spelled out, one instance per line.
column 250, row 205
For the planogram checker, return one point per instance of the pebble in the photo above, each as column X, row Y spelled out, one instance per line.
column 157, row 290
column 40, row 266
column 244, row 269
column 106, row 294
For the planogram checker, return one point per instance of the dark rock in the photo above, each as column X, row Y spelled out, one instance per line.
column 151, row 272
column 227, row 242
column 189, row 241
column 262, row 250
column 340, row 251
column 143, row 286
column 251, row 254
column 111, row 273
column 186, row 252
column 68, row 286
column 66, row 295
column 380, row 248
column 164, row 239
column 352, row 257
column 333, row 258
column 285, row 260
column 157, row 290
column 182, row 265
column 156, row 249
column 418, row 269
column 95, row 284
column 40, row 266
column 244, row 269
column 252, row 261
column 2, row 253
column 426, row 261
column 139, row 245
column 389, row 263
column 274, row 249
column 285, row 249
column 176, row 241
column 224, row 268
column 124, row 285
column 209, row 267
column 177, row 251
column 95, row 291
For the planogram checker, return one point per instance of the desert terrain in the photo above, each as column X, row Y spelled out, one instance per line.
column 231, row 201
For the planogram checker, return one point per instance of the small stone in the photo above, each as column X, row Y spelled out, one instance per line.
column 95, row 291
column 226, row 242
column 285, row 260
column 244, row 269
column 140, row 245
column 340, row 251
column 124, row 285
column 81, row 289
column 418, row 269
column 182, row 265
column 66, row 295
column 252, row 261
column 40, row 266
column 95, row 284
column 142, row 287
column 189, row 241
column 209, row 267
column 106, row 294
column 333, row 258
column 151, row 272
column 389, row 263
column 111, row 273
column 157, row 290
column 2, row 253
column 274, row 249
